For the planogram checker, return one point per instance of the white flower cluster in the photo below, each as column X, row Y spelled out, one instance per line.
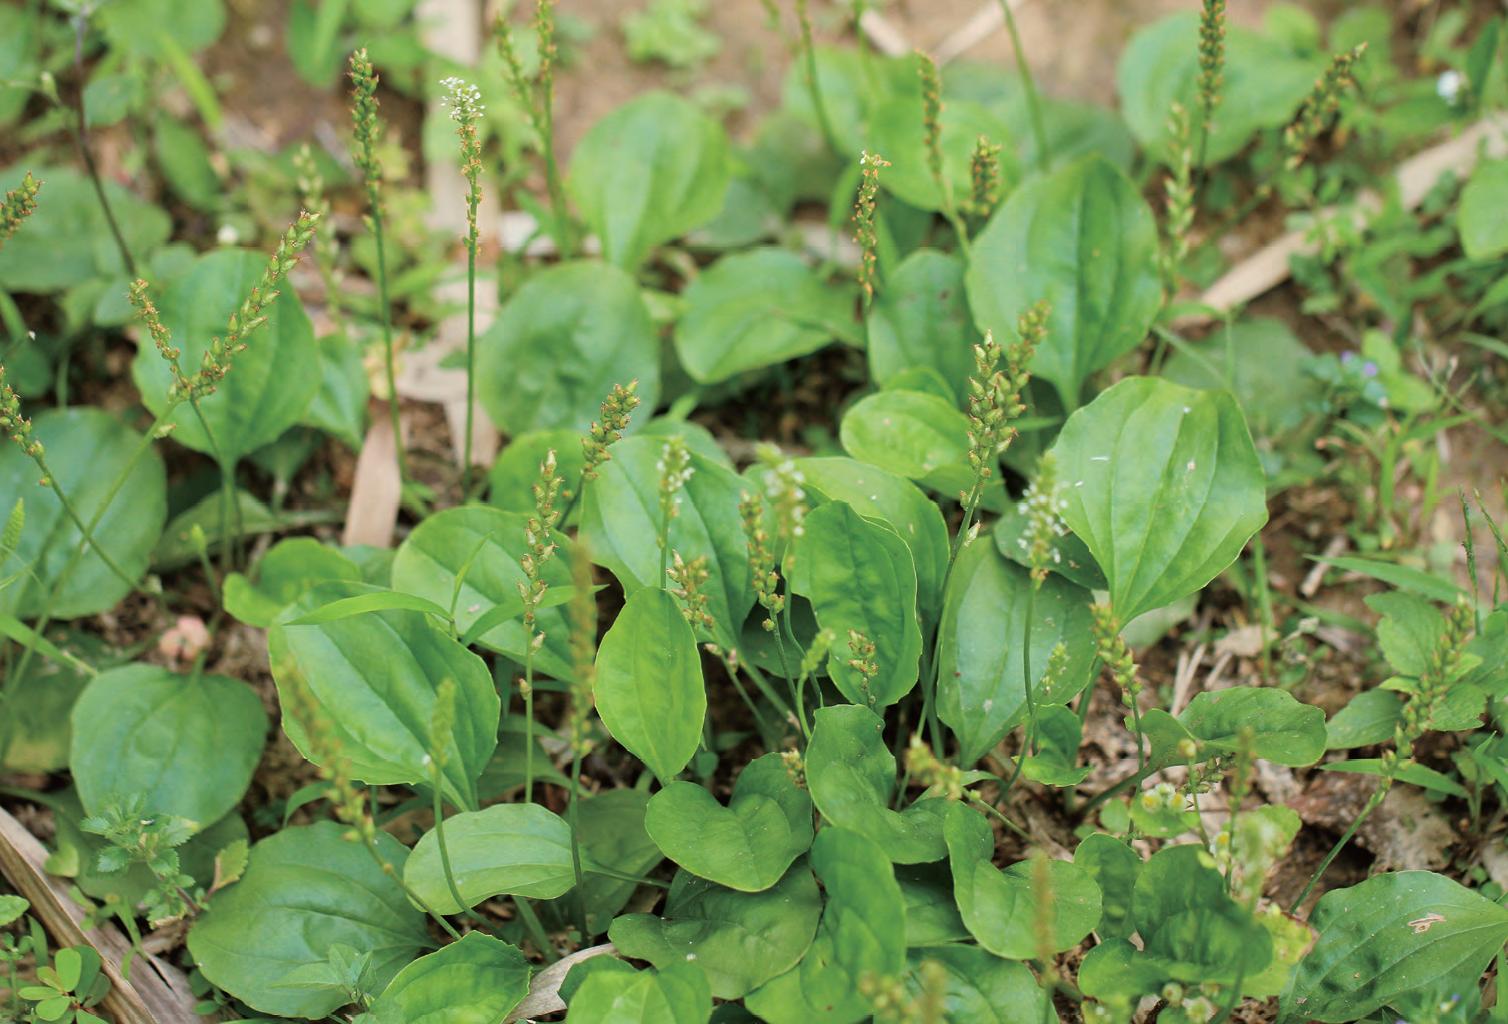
column 1043, row 513
column 463, row 99
column 783, row 486
column 674, row 466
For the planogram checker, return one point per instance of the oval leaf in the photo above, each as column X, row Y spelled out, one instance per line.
column 858, row 576
column 920, row 319
column 374, row 677
column 512, row 849
column 275, row 379
column 1389, row 936
column 756, row 309
column 1083, row 239
column 911, row 433
column 86, row 449
column 747, row 845
column 561, row 343
column 187, row 745
column 1163, row 485
column 740, row 940
column 981, row 689
column 478, row 979
column 622, row 507
column 1001, row 908
column 481, row 548
column 1283, row 730
column 649, row 685
column 851, row 775
column 649, row 172
column 306, row 890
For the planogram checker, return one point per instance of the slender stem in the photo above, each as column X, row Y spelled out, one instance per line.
column 989, row 808
column 386, row 311
column 81, row 142
column 575, row 817
column 624, row 876
column 1129, row 782
column 529, row 723
column 470, row 348
column 439, row 811
column 1029, row 86
column 813, row 82
column 1340, row 844
column 87, row 531
column 419, row 901
column 1029, row 747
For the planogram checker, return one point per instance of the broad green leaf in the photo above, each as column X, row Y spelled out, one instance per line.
column 1191, row 929
column 649, row 685
column 1410, row 631
column 852, row 87
column 1163, row 485
column 560, row 344
column 676, row 994
column 187, row 745
column 86, row 449
column 739, row 939
column 1484, row 235
column 1114, row 866
column 1283, row 730
column 1263, row 363
column 981, row 988
column 851, row 775
column 513, row 476
column 898, row 130
column 505, row 849
column 1001, row 908
column 756, row 309
column 858, row 576
column 649, row 172
column 1369, row 718
column 1083, row 239
column 274, row 380
column 479, row 549
column 478, row 980
column 305, row 890
column 67, row 242
column 178, row 548
column 1389, row 936
column 37, row 730
column 283, row 574
column 1263, row 83
column 621, row 517
column 1055, row 761
column 918, row 435
column 374, row 678
column 981, row 692
column 340, row 406
column 921, row 319
column 1070, row 559
column 747, row 845
column 863, row 933
column 931, row 912
column 876, row 493
column 611, row 828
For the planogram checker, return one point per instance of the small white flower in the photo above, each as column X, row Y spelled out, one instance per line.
column 463, row 99
column 1449, row 85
